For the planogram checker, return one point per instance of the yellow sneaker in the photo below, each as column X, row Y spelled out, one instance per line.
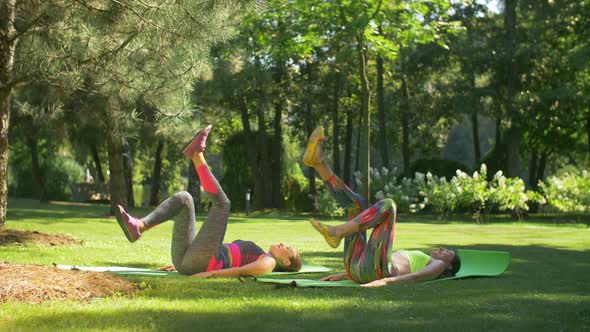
column 332, row 240
column 310, row 155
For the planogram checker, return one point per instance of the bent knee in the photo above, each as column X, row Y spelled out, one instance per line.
column 185, row 198
column 388, row 202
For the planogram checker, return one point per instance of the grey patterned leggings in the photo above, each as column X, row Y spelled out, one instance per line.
column 192, row 252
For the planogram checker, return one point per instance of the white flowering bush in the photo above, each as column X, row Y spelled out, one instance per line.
column 473, row 191
column 569, row 192
column 509, row 194
column 385, row 184
column 437, row 194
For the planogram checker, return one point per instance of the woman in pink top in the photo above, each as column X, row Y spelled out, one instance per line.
column 204, row 254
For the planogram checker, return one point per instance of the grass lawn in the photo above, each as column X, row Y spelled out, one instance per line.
column 546, row 287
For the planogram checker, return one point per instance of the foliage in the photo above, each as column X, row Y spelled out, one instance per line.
column 436, row 166
column 326, row 204
column 478, row 195
column 568, row 192
column 58, row 173
column 388, row 184
column 294, row 192
column 438, row 194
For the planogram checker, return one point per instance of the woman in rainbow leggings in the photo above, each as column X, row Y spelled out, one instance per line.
column 204, row 254
column 372, row 262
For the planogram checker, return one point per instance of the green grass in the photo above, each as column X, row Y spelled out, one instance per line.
column 545, row 288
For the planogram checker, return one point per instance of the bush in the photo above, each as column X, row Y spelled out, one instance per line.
column 472, row 193
column 61, row 174
column 295, row 191
column 327, row 206
column 437, row 167
column 568, row 192
column 437, row 194
column 387, row 184
column 509, row 194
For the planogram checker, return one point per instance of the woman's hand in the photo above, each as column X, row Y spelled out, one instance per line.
column 167, row 268
column 376, row 283
column 203, row 275
column 335, row 277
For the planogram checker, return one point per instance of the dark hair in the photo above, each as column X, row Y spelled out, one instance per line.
column 452, row 269
column 295, row 265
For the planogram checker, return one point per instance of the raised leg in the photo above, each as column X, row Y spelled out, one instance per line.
column 370, row 261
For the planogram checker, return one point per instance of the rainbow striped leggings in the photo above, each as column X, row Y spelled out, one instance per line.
column 364, row 260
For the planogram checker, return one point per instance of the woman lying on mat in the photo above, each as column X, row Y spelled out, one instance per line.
column 204, row 254
column 372, row 262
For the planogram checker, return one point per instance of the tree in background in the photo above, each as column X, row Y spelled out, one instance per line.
column 117, row 50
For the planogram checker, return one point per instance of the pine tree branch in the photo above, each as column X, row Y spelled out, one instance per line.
column 15, row 84
column 115, row 51
column 139, row 15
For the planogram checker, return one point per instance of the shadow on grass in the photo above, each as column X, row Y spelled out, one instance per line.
column 544, row 289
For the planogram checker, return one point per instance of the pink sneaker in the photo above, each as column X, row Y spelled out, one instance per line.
column 128, row 224
column 198, row 143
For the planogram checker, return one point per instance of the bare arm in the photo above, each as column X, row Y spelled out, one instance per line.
column 336, row 277
column 431, row 271
column 165, row 268
column 263, row 265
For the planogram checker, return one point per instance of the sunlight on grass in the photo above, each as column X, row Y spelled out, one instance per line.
column 546, row 279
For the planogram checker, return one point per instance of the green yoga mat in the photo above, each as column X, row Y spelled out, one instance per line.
column 132, row 271
column 474, row 263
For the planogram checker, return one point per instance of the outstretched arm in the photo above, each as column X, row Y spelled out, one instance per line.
column 262, row 266
column 431, row 271
column 167, row 268
column 336, row 277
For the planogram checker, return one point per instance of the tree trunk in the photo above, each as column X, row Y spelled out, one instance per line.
column 116, row 170
column 157, row 174
column 36, row 168
column 533, row 170
column 357, row 155
column 336, row 125
column 348, row 144
column 475, row 133
column 365, row 159
column 588, row 130
column 512, row 151
column 193, row 186
column 405, row 105
column 277, row 170
column 513, row 136
column 541, row 167
column 7, row 47
column 474, row 104
column 309, row 127
column 252, row 152
column 128, row 172
column 280, row 89
column 264, row 158
column 381, row 112
column 5, row 99
column 97, row 165
column 498, row 135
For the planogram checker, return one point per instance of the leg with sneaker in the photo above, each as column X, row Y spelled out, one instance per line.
column 191, row 252
column 364, row 261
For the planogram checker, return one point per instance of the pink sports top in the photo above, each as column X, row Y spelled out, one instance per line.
column 236, row 254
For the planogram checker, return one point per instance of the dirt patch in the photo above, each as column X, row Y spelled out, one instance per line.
column 35, row 284
column 10, row 236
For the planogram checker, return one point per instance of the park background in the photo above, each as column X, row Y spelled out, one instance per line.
column 469, row 114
